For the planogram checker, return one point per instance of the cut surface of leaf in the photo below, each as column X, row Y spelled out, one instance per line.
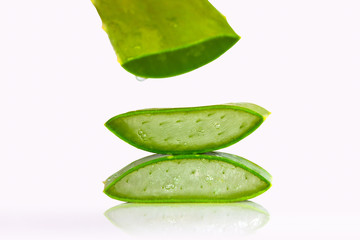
column 187, row 130
column 210, row 177
column 162, row 38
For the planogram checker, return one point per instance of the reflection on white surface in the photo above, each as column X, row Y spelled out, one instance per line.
column 239, row 218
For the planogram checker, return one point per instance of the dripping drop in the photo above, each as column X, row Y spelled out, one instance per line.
column 140, row 79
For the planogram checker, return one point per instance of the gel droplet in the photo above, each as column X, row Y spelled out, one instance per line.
column 142, row 134
column 140, row 79
column 209, row 178
column 169, row 186
column 217, row 125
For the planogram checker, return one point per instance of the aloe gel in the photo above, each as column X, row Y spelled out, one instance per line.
column 210, row 177
column 187, row 130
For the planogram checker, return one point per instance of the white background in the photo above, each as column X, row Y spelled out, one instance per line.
column 60, row 82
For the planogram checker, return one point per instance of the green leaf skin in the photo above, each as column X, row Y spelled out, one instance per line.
column 187, row 130
column 162, row 38
column 208, row 177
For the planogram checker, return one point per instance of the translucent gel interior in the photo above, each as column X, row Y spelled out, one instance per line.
column 188, row 179
column 185, row 131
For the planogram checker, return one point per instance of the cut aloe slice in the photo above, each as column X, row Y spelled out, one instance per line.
column 162, row 38
column 145, row 219
column 210, row 177
column 187, row 130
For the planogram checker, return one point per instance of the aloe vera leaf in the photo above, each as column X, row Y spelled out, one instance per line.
column 210, row 177
column 191, row 218
column 187, row 130
column 162, row 38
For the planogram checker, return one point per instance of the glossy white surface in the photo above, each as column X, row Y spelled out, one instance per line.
column 60, row 82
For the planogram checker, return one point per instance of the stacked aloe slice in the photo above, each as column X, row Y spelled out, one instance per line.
column 184, row 168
